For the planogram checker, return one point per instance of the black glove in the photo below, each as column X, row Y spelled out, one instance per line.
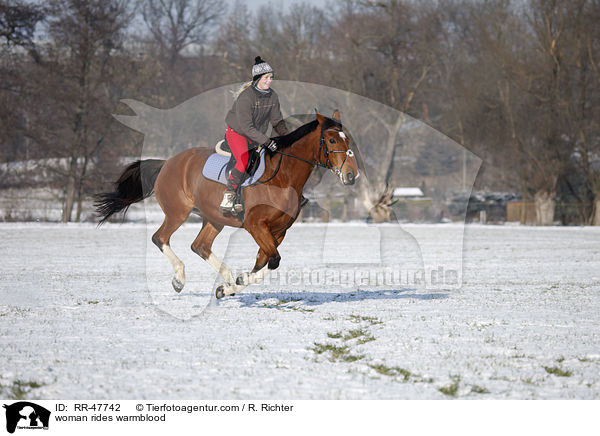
column 271, row 145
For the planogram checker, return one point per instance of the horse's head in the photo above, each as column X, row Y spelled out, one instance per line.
column 334, row 149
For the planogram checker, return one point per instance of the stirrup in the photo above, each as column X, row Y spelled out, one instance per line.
column 227, row 204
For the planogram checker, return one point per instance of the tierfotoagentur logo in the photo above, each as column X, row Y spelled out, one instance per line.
column 336, row 257
column 26, row 416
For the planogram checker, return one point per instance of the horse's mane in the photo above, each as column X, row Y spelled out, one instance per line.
column 288, row 140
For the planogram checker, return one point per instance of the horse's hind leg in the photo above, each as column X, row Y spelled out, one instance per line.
column 162, row 239
column 202, row 246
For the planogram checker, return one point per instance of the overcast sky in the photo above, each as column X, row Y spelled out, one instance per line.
column 278, row 3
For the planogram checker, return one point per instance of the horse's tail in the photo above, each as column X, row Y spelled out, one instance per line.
column 135, row 184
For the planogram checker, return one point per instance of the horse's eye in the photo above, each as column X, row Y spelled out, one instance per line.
column 332, row 141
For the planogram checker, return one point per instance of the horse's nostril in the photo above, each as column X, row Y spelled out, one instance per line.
column 350, row 178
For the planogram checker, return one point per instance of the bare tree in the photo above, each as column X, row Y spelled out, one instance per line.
column 297, row 40
column 234, row 44
column 581, row 106
column 386, row 52
column 503, row 80
column 76, row 82
column 517, row 83
column 592, row 47
column 177, row 24
column 17, row 26
column 525, row 58
column 17, row 23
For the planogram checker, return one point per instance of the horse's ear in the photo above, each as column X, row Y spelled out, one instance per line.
column 320, row 118
column 336, row 115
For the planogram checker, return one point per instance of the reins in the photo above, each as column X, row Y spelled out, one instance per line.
column 272, row 175
column 323, row 149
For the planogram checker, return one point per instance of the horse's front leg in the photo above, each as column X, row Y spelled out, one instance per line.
column 258, row 272
column 263, row 259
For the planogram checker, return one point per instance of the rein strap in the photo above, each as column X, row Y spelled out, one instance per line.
column 322, row 149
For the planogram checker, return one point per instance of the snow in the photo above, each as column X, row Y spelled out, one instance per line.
column 89, row 313
column 407, row 192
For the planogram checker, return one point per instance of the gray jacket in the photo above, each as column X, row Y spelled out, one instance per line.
column 252, row 112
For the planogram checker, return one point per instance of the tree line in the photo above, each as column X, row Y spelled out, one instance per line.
column 515, row 82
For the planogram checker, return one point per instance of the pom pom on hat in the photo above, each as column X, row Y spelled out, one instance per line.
column 260, row 68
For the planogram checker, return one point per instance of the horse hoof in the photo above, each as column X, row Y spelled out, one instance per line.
column 274, row 262
column 220, row 292
column 240, row 280
column 177, row 285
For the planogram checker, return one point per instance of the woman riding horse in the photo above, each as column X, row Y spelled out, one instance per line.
column 271, row 205
column 247, row 123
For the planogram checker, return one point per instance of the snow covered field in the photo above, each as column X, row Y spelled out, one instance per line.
column 79, row 319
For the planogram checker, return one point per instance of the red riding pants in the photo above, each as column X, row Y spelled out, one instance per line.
column 239, row 147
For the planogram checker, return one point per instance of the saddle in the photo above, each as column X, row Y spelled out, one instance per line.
column 219, row 164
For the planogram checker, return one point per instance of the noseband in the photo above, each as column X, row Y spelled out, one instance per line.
column 323, row 149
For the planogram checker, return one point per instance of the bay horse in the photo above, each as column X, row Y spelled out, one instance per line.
column 271, row 205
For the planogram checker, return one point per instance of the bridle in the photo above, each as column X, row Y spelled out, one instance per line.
column 323, row 150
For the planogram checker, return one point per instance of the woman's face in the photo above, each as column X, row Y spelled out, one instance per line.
column 264, row 82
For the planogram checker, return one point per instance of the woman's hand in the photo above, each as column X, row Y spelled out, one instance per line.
column 271, row 145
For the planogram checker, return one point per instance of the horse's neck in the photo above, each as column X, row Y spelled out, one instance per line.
column 296, row 171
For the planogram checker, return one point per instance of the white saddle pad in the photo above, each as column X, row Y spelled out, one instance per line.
column 214, row 169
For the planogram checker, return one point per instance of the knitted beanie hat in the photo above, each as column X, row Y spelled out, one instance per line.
column 259, row 68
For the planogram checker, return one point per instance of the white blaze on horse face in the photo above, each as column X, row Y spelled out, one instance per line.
column 177, row 264
column 350, row 154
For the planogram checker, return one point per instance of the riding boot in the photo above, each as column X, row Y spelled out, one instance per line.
column 227, row 202
column 229, row 196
